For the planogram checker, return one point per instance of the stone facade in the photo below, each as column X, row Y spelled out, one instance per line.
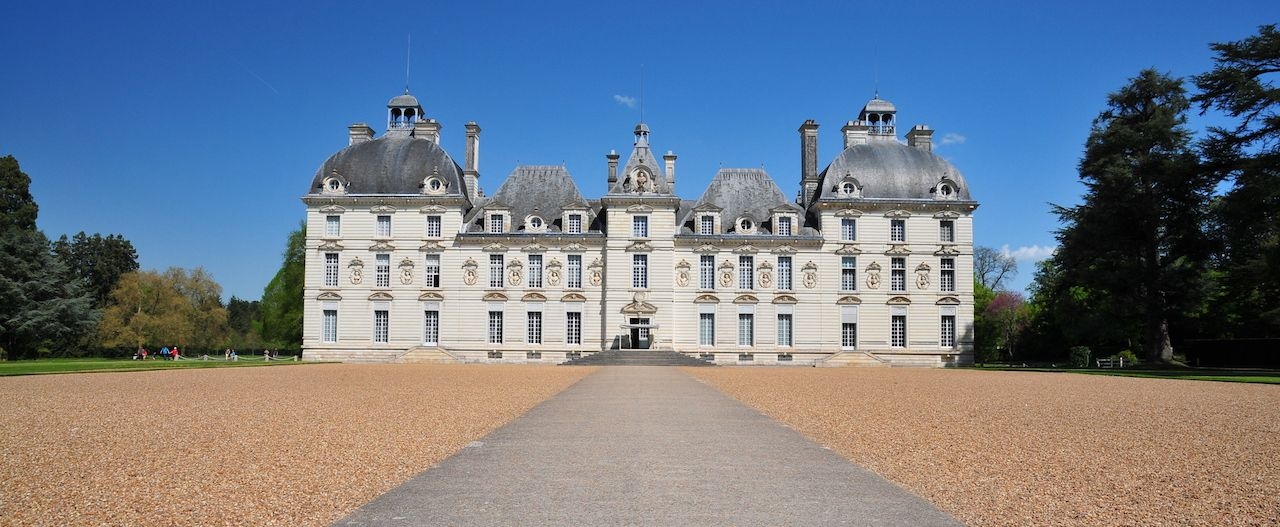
column 408, row 260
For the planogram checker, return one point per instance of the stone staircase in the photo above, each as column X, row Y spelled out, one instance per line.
column 853, row 358
column 424, row 355
column 649, row 357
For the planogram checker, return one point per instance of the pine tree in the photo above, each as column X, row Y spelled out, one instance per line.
column 282, row 300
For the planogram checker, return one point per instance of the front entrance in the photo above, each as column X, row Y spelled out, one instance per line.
column 639, row 333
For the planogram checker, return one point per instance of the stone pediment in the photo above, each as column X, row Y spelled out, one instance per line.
column 382, row 209
column 430, row 296
column 898, row 249
column 639, row 208
column 948, row 301
column 898, row 301
column 746, row 299
column 765, row 266
column 708, row 207
column 382, row 246
column 947, row 215
column 534, row 297
column 494, row 297
column 573, row 297
column 947, row 250
column 897, row 213
column 848, row 300
column 707, row 248
column 333, row 209
column 783, row 249
column 848, row 213
column 849, row 249
column 707, row 299
column 639, row 246
column 328, row 295
column 494, row 248
column 574, row 247
column 726, row 264
column 329, row 245
column 431, row 247
column 745, row 248
column 784, row 299
column 381, row 295
column 534, row 248
column 639, row 308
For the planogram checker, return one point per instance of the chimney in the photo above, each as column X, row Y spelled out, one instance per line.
column 613, row 167
column 808, row 160
column 359, row 133
column 428, row 129
column 920, row 137
column 855, row 133
column 471, row 168
column 670, row 160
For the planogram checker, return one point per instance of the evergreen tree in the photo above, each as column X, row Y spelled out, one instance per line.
column 17, row 208
column 1135, row 249
column 96, row 260
column 281, row 305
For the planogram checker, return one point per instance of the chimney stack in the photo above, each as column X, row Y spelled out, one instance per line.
column 808, row 160
column 670, row 160
column 471, row 167
column 428, row 129
column 612, row 156
column 359, row 133
column 920, row 137
column 855, row 133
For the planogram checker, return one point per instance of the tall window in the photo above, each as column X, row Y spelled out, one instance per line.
column 533, row 330
column 535, row 270
column 495, row 270
column 431, row 271
column 848, row 229
column 575, row 271
column 333, row 226
column 383, row 227
column 784, row 329
column 746, row 272
column 947, row 231
column 849, row 335
column 849, row 273
column 706, row 224
column 329, row 326
column 746, row 329
column 382, row 270
column 433, row 226
column 431, row 327
column 640, row 226
column 784, row 273
column 947, row 281
column 707, row 329
column 381, row 325
column 331, row 269
column 706, row 272
column 898, row 230
column 948, row 331
column 898, row 331
column 639, row 271
column 575, row 224
column 573, row 327
column 496, row 224
column 784, row 226
column 898, row 274
column 495, row 327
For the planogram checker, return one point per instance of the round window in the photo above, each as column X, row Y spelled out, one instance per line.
column 847, row 188
column 535, row 222
column 334, row 184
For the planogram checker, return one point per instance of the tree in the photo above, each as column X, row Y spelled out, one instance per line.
column 243, row 317
column 1006, row 315
column 1247, row 217
column 992, row 268
column 1135, row 249
column 17, row 208
column 282, row 299
column 148, row 308
column 98, row 261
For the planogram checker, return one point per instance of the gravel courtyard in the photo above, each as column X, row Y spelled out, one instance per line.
column 285, row 445
column 1014, row 448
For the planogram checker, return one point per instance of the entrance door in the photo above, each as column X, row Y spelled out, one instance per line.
column 640, row 333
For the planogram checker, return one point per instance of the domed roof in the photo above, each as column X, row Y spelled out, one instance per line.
column 879, row 105
column 403, row 100
column 891, row 170
column 391, row 165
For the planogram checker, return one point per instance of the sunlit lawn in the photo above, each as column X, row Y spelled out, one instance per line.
column 43, row 366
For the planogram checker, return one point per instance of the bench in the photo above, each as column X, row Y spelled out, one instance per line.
column 1117, row 362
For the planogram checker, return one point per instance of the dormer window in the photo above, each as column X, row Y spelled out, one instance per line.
column 573, row 224
column 434, row 185
column 535, row 224
column 746, row 226
column 946, row 189
column 333, row 185
column 783, row 227
column 849, row 188
column 706, row 224
column 496, row 224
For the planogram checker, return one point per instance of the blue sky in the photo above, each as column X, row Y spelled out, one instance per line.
column 192, row 130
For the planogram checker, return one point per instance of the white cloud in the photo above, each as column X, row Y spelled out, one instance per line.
column 952, row 138
column 1032, row 253
column 629, row 102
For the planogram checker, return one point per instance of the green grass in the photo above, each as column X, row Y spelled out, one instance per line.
column 46, row 366
column 1198, row 374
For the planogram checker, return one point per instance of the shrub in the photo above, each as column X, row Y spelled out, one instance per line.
column 1130, row 359
column 1080, row 356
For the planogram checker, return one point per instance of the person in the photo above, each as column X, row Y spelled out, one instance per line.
column 234, row 357
column 164, row 353
column 175, row 352
column 226, row 355
column 144, row 353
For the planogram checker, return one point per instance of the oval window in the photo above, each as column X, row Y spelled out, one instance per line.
column 535, row 222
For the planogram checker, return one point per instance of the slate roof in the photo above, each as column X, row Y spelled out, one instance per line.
column 741, row 192
column 545, row 190
column 891, row 170
column 642, row 155
column 391, row 165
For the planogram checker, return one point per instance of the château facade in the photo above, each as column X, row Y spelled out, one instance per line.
column 409, row 260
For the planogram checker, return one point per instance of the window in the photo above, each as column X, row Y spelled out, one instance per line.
column 706, row 224
column 533, row 330
column 784, row 273
column 331, row 269
column 496, row 224
column 707, row 329
column 329, row 326
column 898, row 331
column 849, row 273
column 640, row 271
column 383, row 228
column 746, row 272
column 535, row 271
column 433, row 226
column 430, row 327
column 575, row 271
column 948, row 331
column 333, row 226
column 640, row 226
column 898, row 230
column 495, row 270
column 746, row 329
column 784, row 329
column 381, row 325
column 431, row 271
column 495, row 327
column 784, row 226
column 575, row 224
column 947, row 282
column 382, row 270
column 707, row 272
column 573, row 327
column 848, row 335
column 947, row 231
column 898, row 274
column 535, row 223
column 848, row 229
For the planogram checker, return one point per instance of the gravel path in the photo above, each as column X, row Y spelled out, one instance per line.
column 289, row 446
column 1014, row 448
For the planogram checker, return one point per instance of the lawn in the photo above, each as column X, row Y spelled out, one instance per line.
column 44, row 366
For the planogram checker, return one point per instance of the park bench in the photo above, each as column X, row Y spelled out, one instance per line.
column 1108, row 362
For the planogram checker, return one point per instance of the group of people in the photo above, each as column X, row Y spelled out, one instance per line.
column 165, row 353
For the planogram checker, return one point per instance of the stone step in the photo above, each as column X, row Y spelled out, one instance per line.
column 637, row 358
